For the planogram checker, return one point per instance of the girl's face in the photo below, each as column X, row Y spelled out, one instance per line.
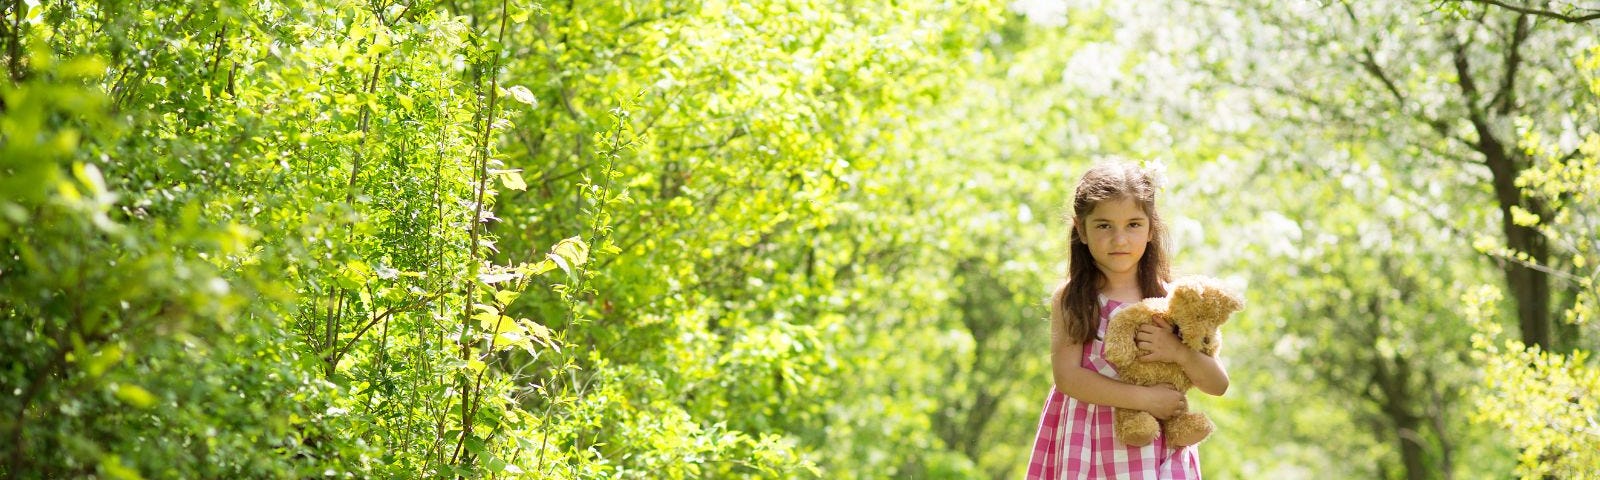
column 1117, row 232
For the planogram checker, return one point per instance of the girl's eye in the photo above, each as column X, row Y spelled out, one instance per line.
column 1102, row 226
column 1136, row 225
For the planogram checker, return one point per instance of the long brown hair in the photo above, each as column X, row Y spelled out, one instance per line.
column 1076, row 303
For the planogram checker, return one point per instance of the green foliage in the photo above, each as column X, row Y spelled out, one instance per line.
column 1370, row 333
column 317, row 174
column 732, row 162
column 774, row 239
column 120, row 334
column 1546, row 400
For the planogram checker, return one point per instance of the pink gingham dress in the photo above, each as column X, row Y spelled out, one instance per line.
column 1075, row 439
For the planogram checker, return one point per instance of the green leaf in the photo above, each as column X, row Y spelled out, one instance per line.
column 505, row 297
column 495, row 324
column 539, row 333
column 543, row 266
column 134, row 395
column 354, row 275
column 519, row 13
column 112, row 466
column 513, row 180
column 90, row 176
column 523, row 95
column 493, row 278
column 559, row 262
column 84, row 67
column 573, row 250
column 107, row 356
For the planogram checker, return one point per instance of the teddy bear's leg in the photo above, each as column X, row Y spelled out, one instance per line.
column 1135, row 427
column 1188, row 428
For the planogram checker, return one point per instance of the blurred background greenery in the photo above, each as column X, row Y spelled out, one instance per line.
column 777, row 239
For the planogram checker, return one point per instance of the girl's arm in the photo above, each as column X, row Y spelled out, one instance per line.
column 1090, row 386
column 1162, row 345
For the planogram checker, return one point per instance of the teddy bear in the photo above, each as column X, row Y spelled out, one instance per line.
column 1196, row 307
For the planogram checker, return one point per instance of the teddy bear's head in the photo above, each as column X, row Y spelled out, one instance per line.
column 1200, row 304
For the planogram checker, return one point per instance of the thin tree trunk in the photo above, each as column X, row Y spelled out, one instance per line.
column 1396, row 398
column 1529, row 287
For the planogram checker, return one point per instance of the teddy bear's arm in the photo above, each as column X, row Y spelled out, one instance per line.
column 1121, row 349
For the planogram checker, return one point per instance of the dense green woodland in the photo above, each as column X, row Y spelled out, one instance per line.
column 778, row 239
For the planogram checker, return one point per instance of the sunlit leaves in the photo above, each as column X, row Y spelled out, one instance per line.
column 1546, row 402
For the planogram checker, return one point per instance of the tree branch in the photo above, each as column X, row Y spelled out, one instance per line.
column 14, row 42
column 1369, row 64
column 1565, row 17
column 1469, row 87
column 340, row 353
column 1505, row 98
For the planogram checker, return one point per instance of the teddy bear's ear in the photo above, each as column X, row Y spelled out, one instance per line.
column 1226, row 299
column 1185, row 290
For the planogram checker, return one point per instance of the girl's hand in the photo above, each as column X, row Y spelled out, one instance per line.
column 1159, row 344
column 1163, row 401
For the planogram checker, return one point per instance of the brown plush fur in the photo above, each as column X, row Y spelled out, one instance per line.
column 1197, row 306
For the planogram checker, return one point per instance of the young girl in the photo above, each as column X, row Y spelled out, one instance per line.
column 1118, row 257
